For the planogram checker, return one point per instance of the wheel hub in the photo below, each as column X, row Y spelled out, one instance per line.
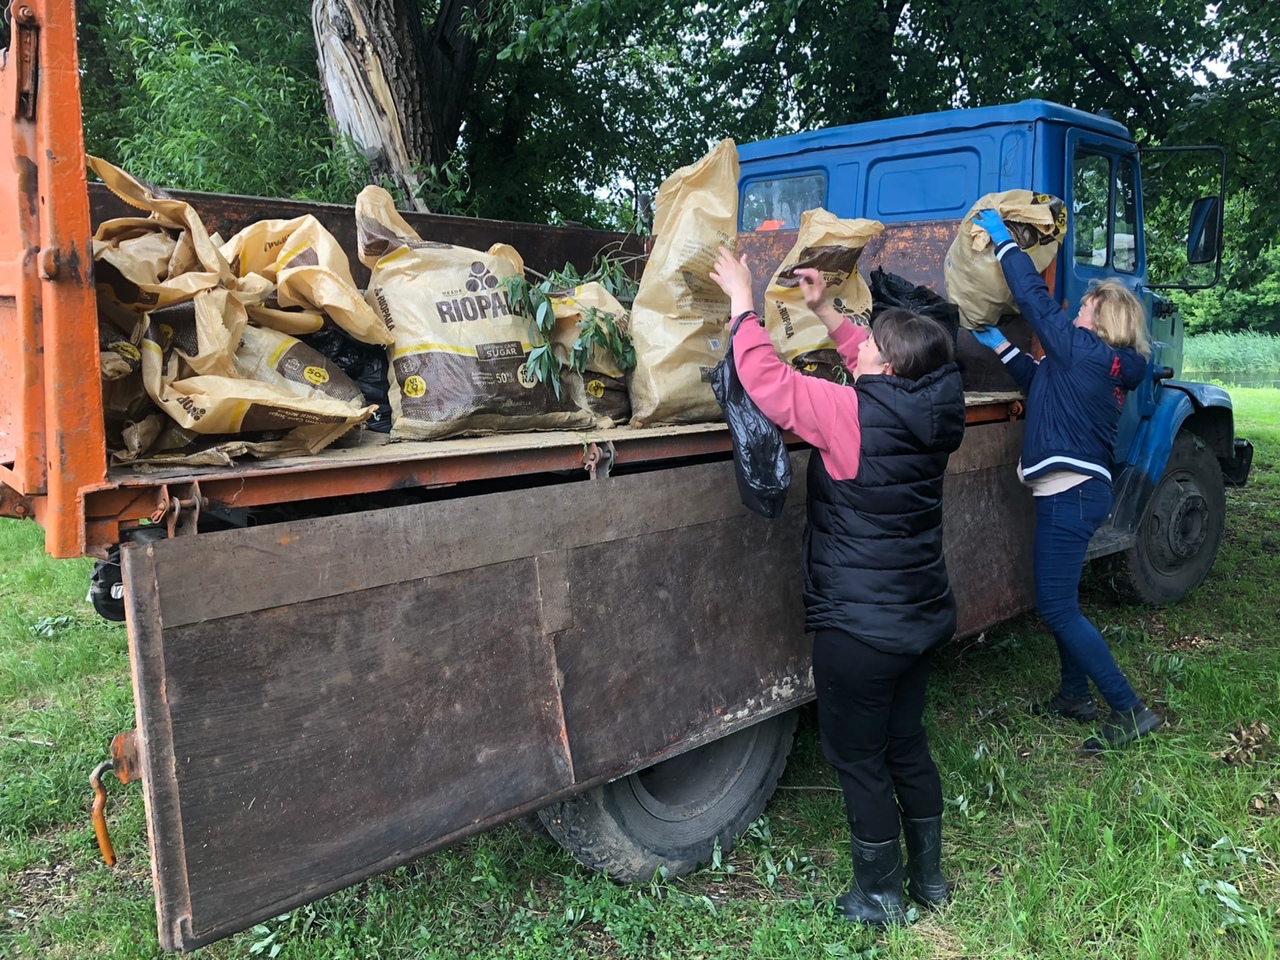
column 1178, row 524
column 1188, row 526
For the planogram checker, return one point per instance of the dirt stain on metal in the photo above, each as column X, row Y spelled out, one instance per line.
column 29, row 184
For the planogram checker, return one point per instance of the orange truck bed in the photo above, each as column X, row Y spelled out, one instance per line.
column 53, row 460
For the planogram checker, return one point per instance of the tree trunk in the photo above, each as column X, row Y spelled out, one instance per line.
column 873, row 78
column 450, row 56
column 373, row 72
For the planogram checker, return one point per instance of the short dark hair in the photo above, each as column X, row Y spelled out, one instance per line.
column 915, row 346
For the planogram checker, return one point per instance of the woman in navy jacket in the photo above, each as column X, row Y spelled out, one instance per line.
column 1074, row 398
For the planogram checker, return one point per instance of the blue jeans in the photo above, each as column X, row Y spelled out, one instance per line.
column 1064, row 524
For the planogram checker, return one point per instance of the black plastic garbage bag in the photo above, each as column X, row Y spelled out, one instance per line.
column 760, row 459
column 364, row 363
column 890, row 290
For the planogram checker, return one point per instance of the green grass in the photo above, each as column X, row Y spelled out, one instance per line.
column 1244, row 352
column 1161, row 851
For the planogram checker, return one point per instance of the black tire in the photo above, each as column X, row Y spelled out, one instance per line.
column 531, row 824
column 1181, row 529
column 671, row 814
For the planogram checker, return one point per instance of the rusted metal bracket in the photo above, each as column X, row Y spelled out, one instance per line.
column 13, row 504
column 124, row 763
column 179, row 509
column 50, row 263
column 25, row 51
column 599, row 460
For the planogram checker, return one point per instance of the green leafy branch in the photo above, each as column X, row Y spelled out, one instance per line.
column 597, row 328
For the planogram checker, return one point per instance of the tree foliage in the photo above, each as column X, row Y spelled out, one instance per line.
column 574, row 110
column 236, row 112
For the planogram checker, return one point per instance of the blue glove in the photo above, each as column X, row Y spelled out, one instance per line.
column 990, row 221
column 989, row 336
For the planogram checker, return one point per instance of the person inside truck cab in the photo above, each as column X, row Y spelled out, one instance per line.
column 1074, row 398
column 877, row 595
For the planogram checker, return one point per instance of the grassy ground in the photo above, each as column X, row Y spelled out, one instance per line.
column 1166, row 850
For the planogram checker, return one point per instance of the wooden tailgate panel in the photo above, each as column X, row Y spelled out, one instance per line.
column 320, row 701
column 323, row 700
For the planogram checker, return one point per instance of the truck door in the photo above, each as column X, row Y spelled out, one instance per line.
column 1104, row 240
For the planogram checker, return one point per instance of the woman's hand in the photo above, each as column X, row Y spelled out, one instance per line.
column 732, row 275
column 813, row 285
column 990, row 337
column 991, row 222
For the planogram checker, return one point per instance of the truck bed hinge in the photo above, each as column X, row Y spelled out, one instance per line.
column 599, row 460
column 13, row 504
column 179, row 509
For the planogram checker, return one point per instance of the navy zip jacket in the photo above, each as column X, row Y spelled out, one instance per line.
column 873, row 563
column 1075, row 394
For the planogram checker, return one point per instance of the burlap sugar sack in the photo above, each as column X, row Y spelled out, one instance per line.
column 831, row 245
column 458, row 362
column 974, row 280
column 146, row 263
column 600, row 387
column 188, row 372
column 312, row 278
column 678, row 320
column 270, row 356
column 157, row 443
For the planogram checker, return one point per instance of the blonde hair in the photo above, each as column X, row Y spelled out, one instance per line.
column 1118, row 317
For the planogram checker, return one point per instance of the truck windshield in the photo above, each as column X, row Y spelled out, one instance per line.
column 777, row 203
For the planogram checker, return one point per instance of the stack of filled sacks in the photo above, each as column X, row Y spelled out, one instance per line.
column 200, row 361
column 459, row 353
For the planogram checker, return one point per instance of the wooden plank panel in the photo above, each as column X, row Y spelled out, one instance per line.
column 317, row 744
column 322, row 700
column 679, row 633
column 157, row 767
column 988, row 523
column 300, row 561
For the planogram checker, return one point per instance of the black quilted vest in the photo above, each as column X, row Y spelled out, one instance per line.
column 873, row 547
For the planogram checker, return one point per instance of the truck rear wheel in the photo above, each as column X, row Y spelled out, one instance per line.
column 1181, row 529
column 671, row 814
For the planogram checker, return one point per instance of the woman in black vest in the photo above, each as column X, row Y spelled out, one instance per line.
column 877, row 596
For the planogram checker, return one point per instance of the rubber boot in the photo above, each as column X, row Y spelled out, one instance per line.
column 925, row 884
column 876, row 895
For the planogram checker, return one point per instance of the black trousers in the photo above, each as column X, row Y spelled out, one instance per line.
column 870, row 705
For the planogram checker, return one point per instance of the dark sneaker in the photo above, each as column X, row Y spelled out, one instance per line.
column 1083, row 708
column 1124, row 727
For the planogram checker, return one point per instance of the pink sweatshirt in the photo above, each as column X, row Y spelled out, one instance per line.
column 819, row 412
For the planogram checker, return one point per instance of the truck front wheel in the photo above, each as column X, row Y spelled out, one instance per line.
column 671, row 814
column 1181, row 528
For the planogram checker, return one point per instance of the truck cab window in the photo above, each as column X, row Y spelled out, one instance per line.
column 778, row 203
column 1125, row 258
column 1090, row 208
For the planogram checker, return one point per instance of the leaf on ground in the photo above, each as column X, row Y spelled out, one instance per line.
column 1247, row 744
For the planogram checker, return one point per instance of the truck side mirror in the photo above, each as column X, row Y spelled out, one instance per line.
column 1204, row 232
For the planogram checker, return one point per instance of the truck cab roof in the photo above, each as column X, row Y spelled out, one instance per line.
column 931, row 124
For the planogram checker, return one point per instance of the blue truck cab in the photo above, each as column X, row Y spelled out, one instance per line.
column 1176, row 446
